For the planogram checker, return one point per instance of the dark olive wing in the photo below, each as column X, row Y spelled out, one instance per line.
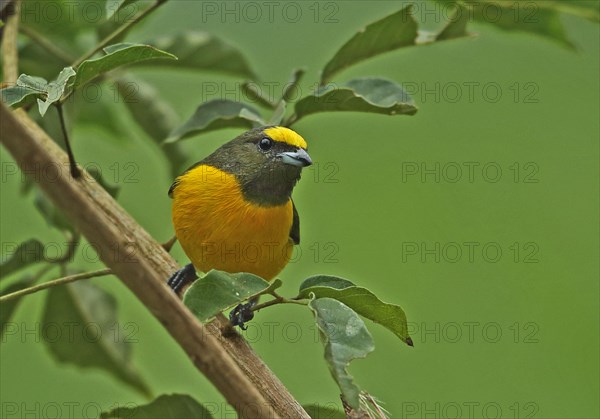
column 295, row 230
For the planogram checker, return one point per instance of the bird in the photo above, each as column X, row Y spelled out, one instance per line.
column 233, row 211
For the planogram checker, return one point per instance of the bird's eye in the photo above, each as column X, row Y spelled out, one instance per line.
column 265, row 144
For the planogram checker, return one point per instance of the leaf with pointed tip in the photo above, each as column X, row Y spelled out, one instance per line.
column 217, row 291
column 118, row 55
column 345, row 338
column 171, row 406
column 365, row 303
column 372, row 95
column 202, row 51
column 392, row 32
column 82, row 329
column 26, row 253
column 217, row 114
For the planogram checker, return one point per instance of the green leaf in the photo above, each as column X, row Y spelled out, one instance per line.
column 217, row 114
column 98, row 103
column 325, row 281
column 292, row 84
column 541, row 17
column 26, row 253
column 365, row 303
column 526, row 10
column 217, row 291
column 53, row 216
column 392, row 32
column 18, row 96
column 456, row 26
column 154, row 115
column 316, row 411
column 116, row 56
column 359, row 95
column 202, row 51
column 81, row 327
column 113, row 6
column 581, row 8
column 35, row 83
column 26, row 90
column 113, row 190
column 8, row 308
column 254, row 93
column 172, row 406
column 345, row 338
column 55, row 89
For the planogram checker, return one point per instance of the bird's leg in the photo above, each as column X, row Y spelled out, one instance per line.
column 182, row 277
column 243, row 313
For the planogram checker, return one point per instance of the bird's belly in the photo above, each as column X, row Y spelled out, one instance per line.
column 219, row 229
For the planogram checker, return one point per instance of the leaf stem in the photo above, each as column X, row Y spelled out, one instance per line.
column 119, row 31
column 54, row 283
column 75, row 172
column 278, row 299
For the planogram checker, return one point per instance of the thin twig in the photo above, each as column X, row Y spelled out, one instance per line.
column 52, row 48
column 120, row 30
column 75, row 172
column 54, row 283
column 278, row 300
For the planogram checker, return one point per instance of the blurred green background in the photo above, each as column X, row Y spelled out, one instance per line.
column 508, row 336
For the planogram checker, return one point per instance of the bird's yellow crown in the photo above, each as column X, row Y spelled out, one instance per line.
column 287, row 136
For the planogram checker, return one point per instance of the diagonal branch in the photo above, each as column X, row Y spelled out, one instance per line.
column 143, row 265
column 10, row 56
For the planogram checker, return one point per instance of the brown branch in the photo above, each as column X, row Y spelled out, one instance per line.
column 10, row 57
column 143, row 265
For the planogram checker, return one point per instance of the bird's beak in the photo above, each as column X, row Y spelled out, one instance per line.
column 298, row 158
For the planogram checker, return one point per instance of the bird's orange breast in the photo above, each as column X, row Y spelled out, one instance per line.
column 219, row 229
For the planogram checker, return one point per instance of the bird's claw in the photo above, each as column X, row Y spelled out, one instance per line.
column 241, row 314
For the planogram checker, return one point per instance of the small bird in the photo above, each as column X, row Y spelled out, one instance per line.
column 233, row 211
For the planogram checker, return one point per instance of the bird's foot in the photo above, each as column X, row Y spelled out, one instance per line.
column 242, row 313
column 182, row 277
